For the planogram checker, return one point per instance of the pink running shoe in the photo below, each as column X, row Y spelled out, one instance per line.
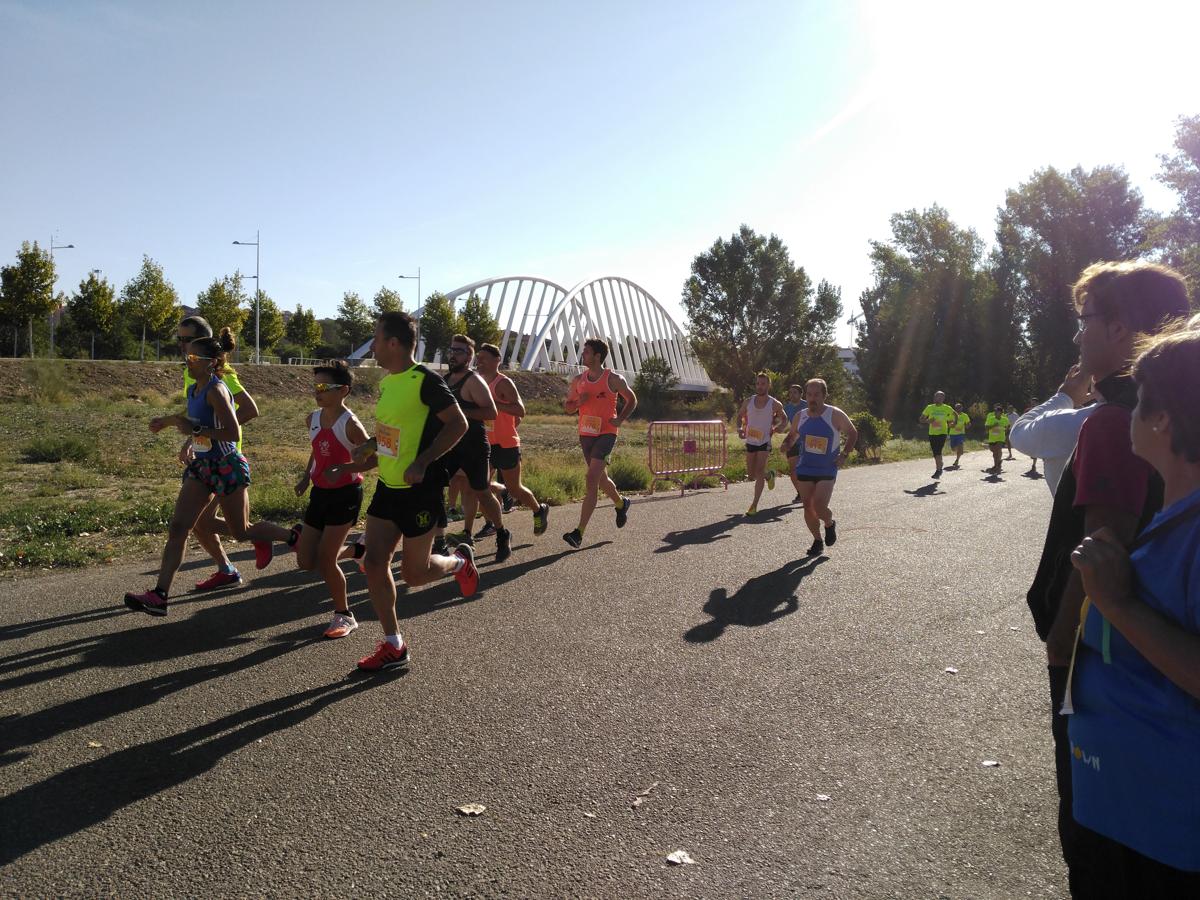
column 219, row 579
column 151, row 602
column 468, row 576
column 385, row 657
column 262, row 554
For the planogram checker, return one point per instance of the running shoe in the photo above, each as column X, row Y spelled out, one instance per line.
column 455, row 538
column 468, row 576
column 623, row 512
column 488, row 530
column 503, row 545
column 937, row 473
column 507, row 502
column 770, row 479
column 262, row 554
column 574, row 538
column 219, row 579
column 440, row 546
column 831, row 533
column 752, row 511
column 295, row 538
column 385, row 657
column 816, row 549
column 541, row 520
column 342, row 625
column 151, row 602
column 454, row 514
column 798, row 499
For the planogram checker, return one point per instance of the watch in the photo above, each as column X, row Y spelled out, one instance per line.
column 196, row 430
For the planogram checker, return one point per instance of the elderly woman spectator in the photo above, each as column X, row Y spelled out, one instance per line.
column 1135, row 730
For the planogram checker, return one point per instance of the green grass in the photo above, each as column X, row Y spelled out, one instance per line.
column 86, row 482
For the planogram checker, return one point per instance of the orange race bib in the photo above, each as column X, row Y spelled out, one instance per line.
column 201, row 444
column 938, row 423
column 755, row 435
column 387, row 440
column 589, row 425
column 489, row 426
column 815, row 443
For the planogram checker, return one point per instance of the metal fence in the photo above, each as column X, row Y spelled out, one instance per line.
column 695, row 449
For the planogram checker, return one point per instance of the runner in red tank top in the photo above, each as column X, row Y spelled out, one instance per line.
column 593, row 394
column 336, row 497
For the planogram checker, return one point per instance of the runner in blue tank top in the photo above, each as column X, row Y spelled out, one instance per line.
column 825, row 436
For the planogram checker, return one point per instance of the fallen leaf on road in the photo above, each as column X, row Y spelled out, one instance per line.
column 646, row 792
column 637, row 801
column 95, row 744
column 981, row 632
column 1014, row 627
column 950, row 670
column 680, row 858
column 471, row 809
column 590, row 815
column 991, row 763
column 823, row 798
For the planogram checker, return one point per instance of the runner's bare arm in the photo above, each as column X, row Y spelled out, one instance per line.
column 779, row 419
column 842, row 423
column 739, row 421
column 476, row 390
column 356, row 434
column 246, row 408
column 454, row 426
column 508, row 398
column 617, row 384
column 222, row 404
column 571, row 404
column 793, row 435
column 302, row 482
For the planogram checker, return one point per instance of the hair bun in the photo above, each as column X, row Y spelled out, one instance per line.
column 227, row 340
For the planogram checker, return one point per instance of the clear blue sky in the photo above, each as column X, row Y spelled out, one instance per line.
column 557, row 139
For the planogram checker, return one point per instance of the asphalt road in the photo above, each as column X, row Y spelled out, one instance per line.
column 689, row 682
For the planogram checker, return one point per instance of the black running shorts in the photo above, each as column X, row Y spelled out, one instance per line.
column 758, row 448
column 414, row 510
column 936, row 443
column 333, row 506
column 597, row 446
column 473, row 460
column 505, row 458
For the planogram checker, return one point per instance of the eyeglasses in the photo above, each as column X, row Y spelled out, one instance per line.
column 466, row 350
column 192, row 357
column 325, row 386
column 1083, row 317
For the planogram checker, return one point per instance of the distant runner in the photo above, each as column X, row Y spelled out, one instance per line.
column 997, row 433
column 759, row 417
column 794, row 405
column 819, row 430
column 958, row 434
column 593, row 395
column 938, row 415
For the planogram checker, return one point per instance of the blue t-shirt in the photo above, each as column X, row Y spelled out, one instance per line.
column 790, row 410
column 1135, row 735
column 818, row 441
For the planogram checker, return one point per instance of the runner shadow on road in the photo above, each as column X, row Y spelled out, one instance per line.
column 759, row 601
column 87, row 794
column 719, row 530
column 927, row 490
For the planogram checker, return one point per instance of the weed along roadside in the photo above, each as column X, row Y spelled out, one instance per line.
column 85, row 482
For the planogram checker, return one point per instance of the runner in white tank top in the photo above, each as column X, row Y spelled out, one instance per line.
column 760, row 416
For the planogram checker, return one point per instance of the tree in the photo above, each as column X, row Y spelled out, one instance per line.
column 386, row 300
column 920, row 331
column 304, row 330
column 92, row 321
column 27, row 289
column 1049, row 229
column 1179, row 233
column 749, row 308
column 438, row 324
column 270, row 324
column 221, row 304
column 653, row 385
column 149, row 303
column 479, row 323
column 354, row 321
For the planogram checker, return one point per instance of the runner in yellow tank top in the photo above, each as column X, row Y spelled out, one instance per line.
column 593, row 395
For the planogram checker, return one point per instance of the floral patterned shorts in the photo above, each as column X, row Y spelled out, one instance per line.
column 221, row 475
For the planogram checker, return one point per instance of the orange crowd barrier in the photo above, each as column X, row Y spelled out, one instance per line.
column 682, row 451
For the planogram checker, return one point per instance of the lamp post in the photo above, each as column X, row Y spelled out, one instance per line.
column 257, row 291
column 418, row 278
column 94, row 273
column 53, row 247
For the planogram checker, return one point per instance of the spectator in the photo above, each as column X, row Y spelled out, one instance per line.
column 1048, row 431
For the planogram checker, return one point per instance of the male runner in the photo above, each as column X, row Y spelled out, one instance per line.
column 958, row 434
column 938, row 414
column 502, row 433
column 471, row 454
column 818, row 430
column 593, row 395
column 760, row 416
column 794, row 405
column 997, row 432
column 417, row 422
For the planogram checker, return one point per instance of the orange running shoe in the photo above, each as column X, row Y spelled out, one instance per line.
column 467, row 576
column 385, row 658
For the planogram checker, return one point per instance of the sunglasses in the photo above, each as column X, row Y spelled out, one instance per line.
column 456, row 350
column 192, row 357
column 326, row 386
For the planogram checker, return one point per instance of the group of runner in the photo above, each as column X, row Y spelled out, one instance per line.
column 819, row 440
column 430, row 434
column 951, row 422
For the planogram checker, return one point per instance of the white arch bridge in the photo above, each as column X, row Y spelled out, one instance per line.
column 543, row 326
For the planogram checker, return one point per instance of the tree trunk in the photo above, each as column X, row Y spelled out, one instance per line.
column 143, row 359
column 31, row 337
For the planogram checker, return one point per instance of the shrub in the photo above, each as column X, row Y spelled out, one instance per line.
column 57, row 448
column 873, row 433
column 628, row 474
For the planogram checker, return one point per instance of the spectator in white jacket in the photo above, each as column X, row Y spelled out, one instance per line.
column 1049, row 430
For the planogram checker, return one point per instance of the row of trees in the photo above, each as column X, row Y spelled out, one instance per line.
column 945, row 311
column 101, row 322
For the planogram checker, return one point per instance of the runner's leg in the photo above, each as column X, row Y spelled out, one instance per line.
column 382, row 537
column 811, row 519
column 330, row 546
column 516, row 487
column 208, row 537
column 418, row 565
column 193, row 497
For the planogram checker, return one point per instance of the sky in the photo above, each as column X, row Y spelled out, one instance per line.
column 567, row 140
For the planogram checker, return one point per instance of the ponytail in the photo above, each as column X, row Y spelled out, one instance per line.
column 227, row 340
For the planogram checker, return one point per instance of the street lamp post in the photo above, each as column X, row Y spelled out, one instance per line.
column 418, row 278
column 257, row 291
column 53, row 247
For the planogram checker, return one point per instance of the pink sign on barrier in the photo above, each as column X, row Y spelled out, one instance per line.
column 681, row 452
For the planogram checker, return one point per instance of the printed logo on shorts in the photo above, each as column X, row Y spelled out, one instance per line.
column 424, row 519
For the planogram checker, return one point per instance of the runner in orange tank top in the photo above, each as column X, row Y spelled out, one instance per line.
column 502, row 433
column 593, row 395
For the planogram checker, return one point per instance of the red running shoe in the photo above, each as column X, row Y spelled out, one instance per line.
column 219, row 579
column 262, row 554
column 468, row 576
column 151, row 602
column 385, row 657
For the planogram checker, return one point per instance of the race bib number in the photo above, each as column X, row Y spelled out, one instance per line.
column 387, row 440
column 996, row 435
column 589, row 424
column 815, row 443
column 938, row 423
column 201, row 444
column 489, row 426
column 755, row 435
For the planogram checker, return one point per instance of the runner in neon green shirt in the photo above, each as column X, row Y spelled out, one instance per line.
column 958, row 434
column 938, row 415
column 997, row 431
